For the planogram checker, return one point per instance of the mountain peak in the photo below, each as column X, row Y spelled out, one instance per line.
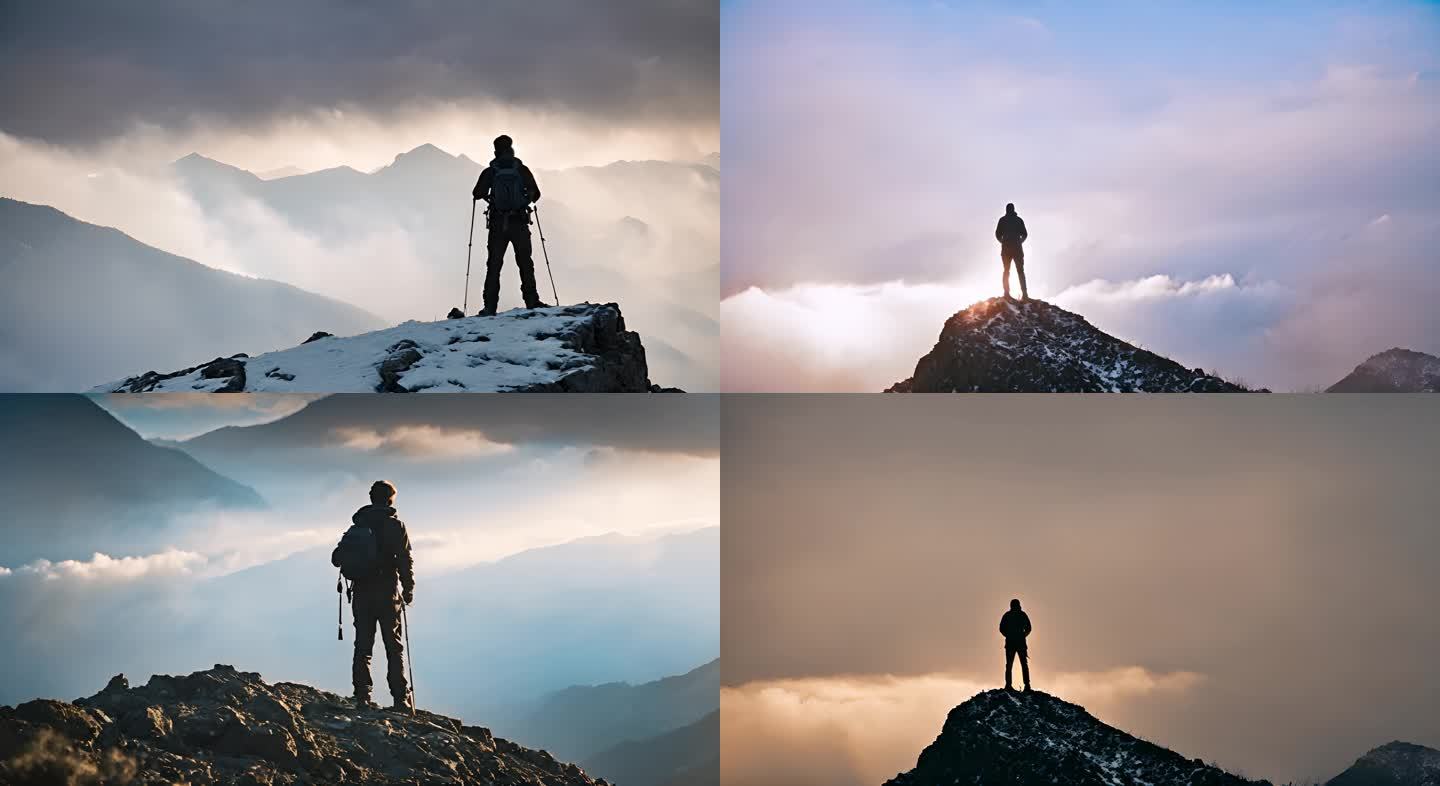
column 1395, row 370
column 229, row 726
column 1000, row 736
column 1393, row 764
column 1002, row 345
column 582, row 348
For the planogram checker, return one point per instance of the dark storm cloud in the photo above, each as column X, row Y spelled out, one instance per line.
column 74, row 72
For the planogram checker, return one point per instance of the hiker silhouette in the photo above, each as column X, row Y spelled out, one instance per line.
column 375, row 556
column 508, row 188
column 1015, row 626
column 1010, row 232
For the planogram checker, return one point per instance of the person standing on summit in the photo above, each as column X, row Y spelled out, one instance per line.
column 508, row 188
column 1015, row 626
column 375, row 556
column 1010, row 232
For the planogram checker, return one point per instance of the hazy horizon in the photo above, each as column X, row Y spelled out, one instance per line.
column 1242, row 579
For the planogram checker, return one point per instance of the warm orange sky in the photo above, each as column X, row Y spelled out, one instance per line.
column 1245, row 579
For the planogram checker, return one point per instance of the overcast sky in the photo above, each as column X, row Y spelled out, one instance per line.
column 84, row 75
column 1247, row 580
column 1251, row 189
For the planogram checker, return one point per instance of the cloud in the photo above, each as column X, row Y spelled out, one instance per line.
column 104, row 568
column 864, row 729
column 422, row 442
column 172, row 64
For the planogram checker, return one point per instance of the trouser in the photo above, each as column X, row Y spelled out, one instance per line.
column 1018, row 257
column 382, row 610
column 509, row 229
column 1010, row 652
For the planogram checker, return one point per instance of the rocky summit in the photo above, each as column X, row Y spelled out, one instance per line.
column 583, row 348
column 223, row 726
column 1006, row 346
column 1393, row 371
column 1393, row 764
column 1004, row 737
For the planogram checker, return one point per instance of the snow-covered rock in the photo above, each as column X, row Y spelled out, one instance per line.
column 1393, row 764
column 583, row 348
column 1005, row 346
column 1393, row 371
column 1001, row 736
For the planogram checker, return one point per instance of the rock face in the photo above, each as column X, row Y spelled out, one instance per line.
column 1004, row 737
column 1393, row 371
column 1005, row 346
column 1393, row 764
column 224, row 726
column 583, row 348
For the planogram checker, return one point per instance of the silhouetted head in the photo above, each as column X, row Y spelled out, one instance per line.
column 504, row 144
column 382, row 492
column 1014, row 604
column 1009, row 208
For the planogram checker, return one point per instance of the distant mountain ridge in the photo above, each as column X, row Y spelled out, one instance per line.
column 1006, row 346
column 1393, row 371
column 1393, row 764
column 84, row 303
column 689, row 755
column 1005, row 737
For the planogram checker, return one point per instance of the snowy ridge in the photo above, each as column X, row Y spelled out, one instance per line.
column 1000, row 345
column 1001, row 736
column 1393, row 371
column 580, row 348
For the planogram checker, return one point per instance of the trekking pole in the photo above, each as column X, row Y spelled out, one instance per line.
column 339, row 608
column 405, row 620
column 546, row 252
column 465, row 304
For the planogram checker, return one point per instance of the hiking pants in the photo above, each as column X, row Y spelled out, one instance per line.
column 509, row 229
column 382, row 610
column 1014, row 254
column 1011, row 650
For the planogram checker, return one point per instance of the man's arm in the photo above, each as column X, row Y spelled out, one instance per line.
column 1026, row 619
column 999, row 225
column 531, row 187
column 482, row 186
column 1002, row 625
column 1023, row 233
column 404, row 561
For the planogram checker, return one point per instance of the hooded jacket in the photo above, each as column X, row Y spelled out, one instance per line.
column 1015, row 626
column 396, row 563
column 1010, row 230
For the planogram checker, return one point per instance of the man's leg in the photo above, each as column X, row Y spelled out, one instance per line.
column 1009, row 664
column 1020, row 271
column 1025, row 666
column 393, row 637
column 495, row 243
column 364, row 645
column 524, row 261
column 1005, row 276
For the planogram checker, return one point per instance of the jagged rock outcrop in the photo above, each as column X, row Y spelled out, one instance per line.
column 223, row 726
column 1006, row 346
column 1393, row 764
column 1004, row 737
column 583, row 348
column 1393, row 371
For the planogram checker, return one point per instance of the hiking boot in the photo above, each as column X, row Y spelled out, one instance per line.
column 362, row 701
column 402, row 705
column 1027, row 689
column 537, row 304
column 488, row 311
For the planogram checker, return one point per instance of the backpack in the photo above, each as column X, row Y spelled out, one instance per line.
column 358, row 553
column 507, row 187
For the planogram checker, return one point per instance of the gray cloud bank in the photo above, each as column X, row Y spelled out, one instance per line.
column 78, row 72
